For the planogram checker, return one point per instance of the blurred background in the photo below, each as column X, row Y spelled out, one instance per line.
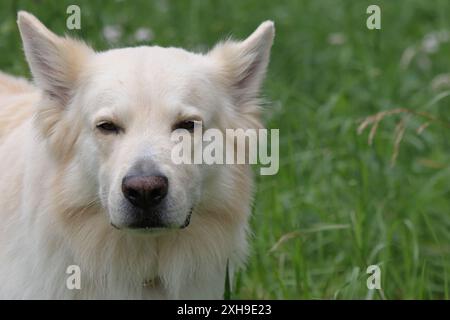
column 343, row 199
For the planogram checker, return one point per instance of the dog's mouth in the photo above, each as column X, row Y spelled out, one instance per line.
column 188, row 219
column 159, row 228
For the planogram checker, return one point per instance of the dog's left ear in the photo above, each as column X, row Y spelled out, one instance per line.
column 55, row 62
column 243, row 64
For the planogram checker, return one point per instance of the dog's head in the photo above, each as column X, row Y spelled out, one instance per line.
column 111, row 115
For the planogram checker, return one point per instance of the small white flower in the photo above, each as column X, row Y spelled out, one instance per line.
column 144, row 35
column 112, row 33
column 430, row 43
column 337, row 39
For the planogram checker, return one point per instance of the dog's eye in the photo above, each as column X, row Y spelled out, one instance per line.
column 108, row 127
column 186, row 124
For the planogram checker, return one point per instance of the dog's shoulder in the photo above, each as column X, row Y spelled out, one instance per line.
column 17, row 97
column 14, row 85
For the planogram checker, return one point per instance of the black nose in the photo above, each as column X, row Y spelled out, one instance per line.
column 145, row 191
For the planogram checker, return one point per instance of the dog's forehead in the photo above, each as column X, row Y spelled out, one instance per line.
column 152, row 70
column 150, row 76
column 166, row 80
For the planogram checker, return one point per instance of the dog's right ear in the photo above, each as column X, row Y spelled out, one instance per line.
column 55, row 62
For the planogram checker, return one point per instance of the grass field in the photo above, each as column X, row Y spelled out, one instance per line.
column 338, row 204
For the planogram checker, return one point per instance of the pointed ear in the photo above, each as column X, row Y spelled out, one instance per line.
column 243, row 64
column 55, row 62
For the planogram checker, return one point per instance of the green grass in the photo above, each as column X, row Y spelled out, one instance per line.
column 344, row 204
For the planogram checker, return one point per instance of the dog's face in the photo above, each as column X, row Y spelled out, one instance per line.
column 132, row 103
column 113, row 114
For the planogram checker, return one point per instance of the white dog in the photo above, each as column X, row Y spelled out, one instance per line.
column 86, row 177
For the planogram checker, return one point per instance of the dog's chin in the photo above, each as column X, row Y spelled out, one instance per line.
column 149, row 231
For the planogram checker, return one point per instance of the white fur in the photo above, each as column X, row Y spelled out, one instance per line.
column 60, row 178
